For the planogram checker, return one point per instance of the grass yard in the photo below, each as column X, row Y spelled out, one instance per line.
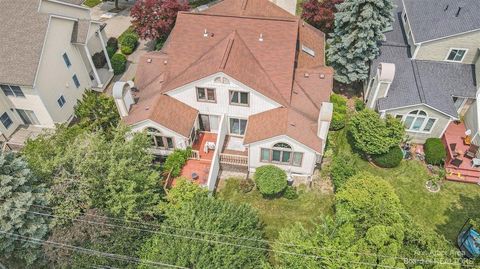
column 281, row 212
column 92, row 3
column 445, row 211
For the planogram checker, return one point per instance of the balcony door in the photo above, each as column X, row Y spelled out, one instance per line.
column 209, row 123
column 28, row 117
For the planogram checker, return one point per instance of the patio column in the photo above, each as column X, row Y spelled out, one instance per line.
column 104, row 48
column 95, row 73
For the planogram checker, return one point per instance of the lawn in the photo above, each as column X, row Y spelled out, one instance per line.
column 280, row 212
column 445, row 211
column 92, row 3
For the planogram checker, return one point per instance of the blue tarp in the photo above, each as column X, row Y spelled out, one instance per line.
column 472, row 242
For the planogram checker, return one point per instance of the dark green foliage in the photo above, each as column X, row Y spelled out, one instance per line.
column 111, row 51
column 129, row 31
column 339, row 112
column 20, row 191
column 119, row 63
column 246, row 185
column 126, row 50
column 159, row 43
column 208, row 215
column 129, row 43
column 99, row 59
column 184, row 191
column 373, row 135
column 390, row 159
column 112, row 43
column 434, row 151
column 342, row 168
column 290, row 193
column 270, row 180
column 97, row 111
column 359, row 104
column 175, row 161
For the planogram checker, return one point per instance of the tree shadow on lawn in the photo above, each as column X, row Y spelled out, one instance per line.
column 466, row 207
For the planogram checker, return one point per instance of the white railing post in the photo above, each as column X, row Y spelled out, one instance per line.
column 95, row 73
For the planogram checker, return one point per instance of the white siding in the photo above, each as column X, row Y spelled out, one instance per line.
column 215, row 166
column 188, row 95
column 308, row 162
column 5, row 106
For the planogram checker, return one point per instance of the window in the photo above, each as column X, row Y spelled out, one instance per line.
column 308, row 50
column 66, row 60
column 456, row 55
column 160, row 141
column 6, row 121
column 9, row 90
column 238, row 126
column 206, row 95
column 221, row 80
column 75, row 80
column 281, row 153
column 418, row 121
column 61, row 101
column 239, row 98
column 28, row 117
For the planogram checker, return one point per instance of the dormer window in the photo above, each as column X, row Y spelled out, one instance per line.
column 456, row 55
column 221, row 80
column 206, row 95
column 308, row 50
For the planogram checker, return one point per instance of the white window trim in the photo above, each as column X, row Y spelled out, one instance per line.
column 404, row 116
column 237, row 118
column 450, row 50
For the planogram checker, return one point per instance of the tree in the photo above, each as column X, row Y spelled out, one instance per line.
column 359, row 27
column 211, row 216
column 270, row 179
column 154, row 19
column 320, row 14
column 374, row 135
column 97, row 111
column 20, row 193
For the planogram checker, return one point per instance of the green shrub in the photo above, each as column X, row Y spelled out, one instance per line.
column 390, row 159
column 112, row 43
column 99, row 59
column 159, row 43
column 339, row 112
column 359, row 104
column 290, row 193
column 342, row 168
column 434, row 151
column 126, row 50
column 246, row 185
column 175, row 161
column 119, row 63
column 129, row 31
column 270, row 180
column 111, row 51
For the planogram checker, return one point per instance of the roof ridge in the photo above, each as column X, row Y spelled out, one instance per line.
column 292, row 19
column 418, row 82
column 228, row 49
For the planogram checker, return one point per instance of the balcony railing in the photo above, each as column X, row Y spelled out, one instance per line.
column 233, row 159
column 195, row 155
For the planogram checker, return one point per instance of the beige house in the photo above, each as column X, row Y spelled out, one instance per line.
column 239, row 91
column 427, row 71
column 46, row 64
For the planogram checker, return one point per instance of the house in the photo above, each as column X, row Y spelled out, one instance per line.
column 239, row 90
column 425, row 74
column 46, row 64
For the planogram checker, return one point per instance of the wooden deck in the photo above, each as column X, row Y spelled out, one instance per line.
column 455, row 134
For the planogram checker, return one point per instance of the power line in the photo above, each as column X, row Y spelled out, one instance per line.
column 423, row 260
column 91, row 251
column 227, row 243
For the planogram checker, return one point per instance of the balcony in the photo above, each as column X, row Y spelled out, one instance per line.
column 18, row 139
column 233, row 152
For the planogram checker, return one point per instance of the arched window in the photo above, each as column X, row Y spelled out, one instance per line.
column 222, row 80
column 418, row 121
column 159, row 140
column 281, row 153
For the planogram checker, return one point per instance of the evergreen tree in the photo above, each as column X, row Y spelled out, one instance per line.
column 19, row 193
column 359, row 27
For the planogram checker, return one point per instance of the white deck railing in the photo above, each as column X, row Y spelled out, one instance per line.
column 195, row 155
column 233, row 159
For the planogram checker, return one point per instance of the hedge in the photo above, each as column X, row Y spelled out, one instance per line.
column 112, row 43
column 128, row 44
column 435, row 152
column 270, row 180
column 339, row 112
column 342, row 168
column 175, row 161
column 111, row 51
column 390, row 159
column 290, row 193
column 119, row 63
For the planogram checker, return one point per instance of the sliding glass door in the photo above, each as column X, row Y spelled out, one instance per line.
column 238, row 126
column 28, row 117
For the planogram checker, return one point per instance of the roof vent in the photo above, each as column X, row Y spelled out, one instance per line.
column 292, row 124
column 260, row 38
column 458, row 11
column 147, row 108
column 446, row 8
column 322, row 76
column 205, row 33
column 149, row 60
column 306, row 75
column 165, row 62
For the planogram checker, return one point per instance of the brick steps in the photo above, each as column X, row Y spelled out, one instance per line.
column 462, row 175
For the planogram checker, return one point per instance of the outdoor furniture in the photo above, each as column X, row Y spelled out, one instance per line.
column 456, row 162
column 472, row 151
column 467, row 140
column 194, row 176
column 475, row 162
column 208, row 146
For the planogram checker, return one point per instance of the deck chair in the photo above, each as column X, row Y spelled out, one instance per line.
column 472, row 151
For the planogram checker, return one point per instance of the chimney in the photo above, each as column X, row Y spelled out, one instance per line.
column 379, row 88
column 123, row 96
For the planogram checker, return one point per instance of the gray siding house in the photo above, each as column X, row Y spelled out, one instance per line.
column 426, row 72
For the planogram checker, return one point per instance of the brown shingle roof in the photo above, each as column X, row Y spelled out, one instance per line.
column 255, row 8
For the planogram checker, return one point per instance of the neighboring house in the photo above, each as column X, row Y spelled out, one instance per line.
column 427, row 72
column 46, row 63
column 245, row 78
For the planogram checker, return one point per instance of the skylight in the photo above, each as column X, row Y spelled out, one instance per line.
column 308, row 50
